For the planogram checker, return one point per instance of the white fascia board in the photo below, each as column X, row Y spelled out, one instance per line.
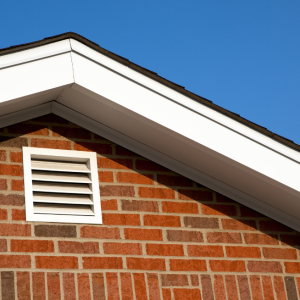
column 197, row 130
column 174, row 165
column 25, row 56
column 182, row 100
column 35, row 76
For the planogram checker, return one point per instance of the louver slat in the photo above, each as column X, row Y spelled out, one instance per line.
column 61, row 177
column 59, row 187
column 62, row 198
column 61, row 209
column 59, row 166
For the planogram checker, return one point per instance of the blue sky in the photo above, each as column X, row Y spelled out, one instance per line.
column 242, row 55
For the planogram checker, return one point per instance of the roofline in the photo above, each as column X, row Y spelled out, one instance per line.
column 154, row 76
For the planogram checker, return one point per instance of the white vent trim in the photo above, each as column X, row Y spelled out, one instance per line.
column 61, row 186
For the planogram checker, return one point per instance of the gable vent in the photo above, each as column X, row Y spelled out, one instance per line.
column 61, row 186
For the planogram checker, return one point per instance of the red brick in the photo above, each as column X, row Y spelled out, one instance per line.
column 69, row 132
column 109, row 204
column 95, row 147
column 2, row 155
column 273, row 226
column 135, row 263
column 147, row 165
column 291, row 240
column 38, row 286
column 195, row 195
column 3, row 214
column 15, row 230
column 194, row 265
column 139, row 205
column 16, row 157
column 279, row 288
column 158, row 193
column 184, row 236
column 117, row 191
column 3, row 245
column 224, row 237
column 121, row 219
column 267, row 287
column 69, row 286
column 18, row 214
column 292, row 267
column 15, row 261
column 244, row 287
column 207, row 290
column 187, row 294
column 29, row 129
column 167, row 294
column 248, row 212
column 223, row 199
column 17, row 185
column 153, row 286
column 98, row 286
column 11, row 170
column 106, row 176
column 158, row 220
column 77, row 247
column 3, row 184
column 277, row 253
column 126, row 286
column 14, row 200
column 174, row 279
column 265, row 266
column 261, row 239
column 83, row 282
column 164, row 250
column 53, row 284
column 114, row 163
column 31, row 246
column 124, row 152
column 99, row 232
column 123, row 248
column 23, row 286
column 231, row 287
column 205, row 251
column 256, row 288
column 140, row 286
column 112, row 284
column 232, row 224
column 218, row 209
column 219, row 287
column 174, row 180
column 227, row 265
column 102, row 263
column 298, row 284
column 194, row 280
column 56, row 262
column 135, row 178
column 52, row 144
column 180, row 207
column 233, row 251
column 143, row 234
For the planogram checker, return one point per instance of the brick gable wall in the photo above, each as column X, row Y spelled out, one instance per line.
column 163, row 236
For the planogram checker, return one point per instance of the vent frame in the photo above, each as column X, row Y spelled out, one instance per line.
column 68, row 156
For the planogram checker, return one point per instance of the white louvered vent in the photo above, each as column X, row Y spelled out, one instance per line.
column 61, row 186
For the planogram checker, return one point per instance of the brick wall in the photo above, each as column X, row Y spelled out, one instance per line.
column 163, row 236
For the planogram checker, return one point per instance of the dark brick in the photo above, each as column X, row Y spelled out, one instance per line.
column 55, row 231
column 196, row 222
column 14, row 200
column 273, row 226
column 174, row 280
column 174, row 180
column 184, row 236
column 291, row 290
column 195, row 195
column 115, row 190
column 139, row 205
column 16, row 142
column 292, row 240
column 7, row 286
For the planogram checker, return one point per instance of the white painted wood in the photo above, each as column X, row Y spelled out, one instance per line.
column 55, row 196
column 54, row 209
column 59, row 166
column 62, row 198
column 61, row 177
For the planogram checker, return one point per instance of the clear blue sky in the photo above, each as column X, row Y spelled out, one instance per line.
column 242, row 55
